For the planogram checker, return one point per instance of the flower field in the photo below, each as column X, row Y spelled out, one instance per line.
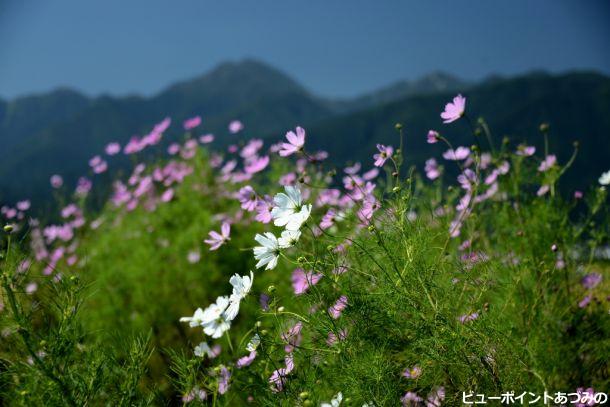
column 271, row 275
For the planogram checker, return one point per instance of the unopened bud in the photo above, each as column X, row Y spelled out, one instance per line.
column 281, row 309
column 271, row 288
column 303, row 395
column 8, row 228
column 371, row 228
column 544, row 127
column 395, row 174
column 398, row 126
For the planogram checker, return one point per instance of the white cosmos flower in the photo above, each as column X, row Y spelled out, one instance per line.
column 335, row 402
column 289, row 210
column 195, row 320
column 269, row 251
column 214, row 322
column 203, row 349
column 605, row 178
column 289, row 238
column 253, row 344
column 241, row 288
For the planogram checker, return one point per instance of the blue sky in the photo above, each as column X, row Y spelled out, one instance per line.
column 334, row 48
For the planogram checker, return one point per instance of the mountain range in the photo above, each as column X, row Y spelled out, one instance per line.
column 58, row 132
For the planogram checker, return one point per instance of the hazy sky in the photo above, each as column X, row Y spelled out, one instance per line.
column 333, row 47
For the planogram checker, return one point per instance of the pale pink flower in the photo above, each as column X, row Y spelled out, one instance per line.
column 246, row 360
column 411, row 399
column 257, row 164
column 218, row 239
column 547, row 163
column 251, row 149
column 454, row 110
column 385, row 152
column 235, row 126
column 370, row 174
column 295, row 142
column 113, row 148
column 301, row 280
column 328, row 220
column 23, row 205
column 578, row 194
column 543, row 190
column 192, row 123
column 334, row 338
column 173, row 149
column 193, row 256
column 412, row 372
column 263, row 209
column 57, row 181
column 167, row 195
column 247, row 198
column 525, row 151
column 354, row 169
column 206, row 138
column 83, row 186
column 460, row 153
column 223, row 380
column 432, row 169
column 336, row 310
column 433, row 136
column 468, row 317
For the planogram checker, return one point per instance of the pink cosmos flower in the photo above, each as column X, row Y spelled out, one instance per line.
column 468, row 317
column 433, row 136
column 257, row 165
column 412, row 372
column 432, row 169
column 167, row 195
column 410, row 399
column 206, row 138
column 354, row 169
column 218, row 239
column 247, row 198
column 585, row 301
column 384, row 154
column 460, row 153
column 235, row 126
column 328, row 219
column 336, row 310
column 251, row 149
column 543, row 190
column 590, row 281
column 525, row 151
column 57, row 181
column 295, row 142
column 301, row 280
column 334, row 338
column 246, row 360
column 223, row 380
column 278, row 378
column 436, row 397
column 23, row 205
column 83, row 186
column 31, row 288
column 578, row 194
column 263, row 209
column 113, row 148
column 193, row 256
column 192, row 123
column 547, row 163
column 370, row 174
column 454, row 111
column 288, row 179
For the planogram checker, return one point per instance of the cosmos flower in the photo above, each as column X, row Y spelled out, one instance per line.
column 246, row 360
column 604, row 179
column 257, row 164
column 195, row 320
column 385, row 152
column 235, row 126
column 436, row 397
column 454, row 110
column 191, row 123
column 223, row 380
column 203, row 349
column 289, row 238
column 547, row 163
column 263, row 210
column 247, row 198
column 278, row 377
column 206, row 138
column 268, row 252
column 432, row 137
column 525, row 151
column 590, row 281
column 213, row 319
column 57, row 181
column 301, row 280
column 412, row 372
column 410, row 399
column 460, row 153
column 295, row 142
column 113, row 148
column 336, row 310
column 289, row 210
column 335, row 402
column 432, row 170
column 218, row 239
column 241, row 288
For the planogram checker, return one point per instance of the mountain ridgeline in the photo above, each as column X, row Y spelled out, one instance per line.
column 58, row 132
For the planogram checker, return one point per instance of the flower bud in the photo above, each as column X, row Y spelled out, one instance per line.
column 371, row 228
column 258, row 324
column 544, row 127
column 271, row 288
column 398, row 126
column 304, row 395
column 8, row 228
column 396, row 189
column 281, row 309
